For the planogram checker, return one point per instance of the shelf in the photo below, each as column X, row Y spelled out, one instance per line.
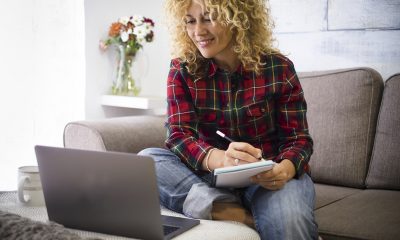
column 134, row 102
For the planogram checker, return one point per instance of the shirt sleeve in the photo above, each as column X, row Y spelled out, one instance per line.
column 295, row 142
column 182, row 133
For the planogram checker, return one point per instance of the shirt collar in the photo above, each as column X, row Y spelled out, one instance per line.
column 213, row 69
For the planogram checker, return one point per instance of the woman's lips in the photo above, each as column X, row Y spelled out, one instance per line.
column 204, row 43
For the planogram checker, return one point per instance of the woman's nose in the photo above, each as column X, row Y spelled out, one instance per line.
column 200, row 29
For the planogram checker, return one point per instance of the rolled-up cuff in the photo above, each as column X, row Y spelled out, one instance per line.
column 199, row 201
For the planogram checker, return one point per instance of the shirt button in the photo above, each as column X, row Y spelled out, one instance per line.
column 262, row 109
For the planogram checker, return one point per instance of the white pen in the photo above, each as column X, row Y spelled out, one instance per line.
column 224, row 136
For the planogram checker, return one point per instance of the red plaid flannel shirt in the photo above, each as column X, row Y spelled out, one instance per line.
column 268, row 111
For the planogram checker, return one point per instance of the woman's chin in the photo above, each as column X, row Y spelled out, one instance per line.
column 206, row 54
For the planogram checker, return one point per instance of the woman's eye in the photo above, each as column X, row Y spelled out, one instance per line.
column 207, row 20
column 190, row 21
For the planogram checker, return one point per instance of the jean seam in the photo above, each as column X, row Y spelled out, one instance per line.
column 253, row 213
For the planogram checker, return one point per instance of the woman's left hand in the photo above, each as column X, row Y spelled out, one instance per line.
column 277, row 177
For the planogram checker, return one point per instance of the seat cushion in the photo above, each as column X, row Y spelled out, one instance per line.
column 208, row 229
column 342, row 111
column 327, row 194
column 384, row 169
column 369, row 214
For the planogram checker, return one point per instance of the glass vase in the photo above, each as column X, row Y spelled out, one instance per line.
column 124, row 82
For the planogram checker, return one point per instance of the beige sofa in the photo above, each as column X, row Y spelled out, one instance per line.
column 356, row 160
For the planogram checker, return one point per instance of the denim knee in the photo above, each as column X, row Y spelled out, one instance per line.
column 284, row 214
column 151, row 151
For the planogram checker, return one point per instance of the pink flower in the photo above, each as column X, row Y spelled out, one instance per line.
column 102, row 45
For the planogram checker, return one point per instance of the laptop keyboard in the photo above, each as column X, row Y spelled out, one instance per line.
column 169, row 229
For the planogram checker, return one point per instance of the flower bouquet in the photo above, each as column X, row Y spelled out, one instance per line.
column 127, row 35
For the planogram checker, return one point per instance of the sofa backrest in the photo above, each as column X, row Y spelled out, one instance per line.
column 342, row 111
column 384, row 171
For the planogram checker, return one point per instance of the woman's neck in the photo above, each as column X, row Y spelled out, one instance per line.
column 230, row 64
column 228, row 60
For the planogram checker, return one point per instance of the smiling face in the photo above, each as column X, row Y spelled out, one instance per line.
column 211, row 38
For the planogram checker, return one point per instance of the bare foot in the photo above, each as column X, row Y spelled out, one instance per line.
column 233, row 212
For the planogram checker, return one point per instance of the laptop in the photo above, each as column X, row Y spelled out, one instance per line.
column 108, row 192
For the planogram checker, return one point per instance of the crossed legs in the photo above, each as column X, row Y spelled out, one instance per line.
column 284, row 214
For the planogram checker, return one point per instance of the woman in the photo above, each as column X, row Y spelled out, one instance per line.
column 227, row 76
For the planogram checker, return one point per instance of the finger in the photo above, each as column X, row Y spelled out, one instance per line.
column 233, row 162
column 240, row 162
column 236, row 161
column 260, row 179
column 270, row 174
column 277, row 172
column 272, row 185
column 247, row 148
column 234, row 153
column 245, row 157
column 228, row 162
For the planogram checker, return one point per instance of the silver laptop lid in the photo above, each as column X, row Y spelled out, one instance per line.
column 108, row 192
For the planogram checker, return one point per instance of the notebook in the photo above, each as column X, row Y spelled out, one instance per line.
column 108, row 192
column 239, row 176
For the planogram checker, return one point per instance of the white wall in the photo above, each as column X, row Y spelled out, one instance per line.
column 329, row 34
column 41, row 76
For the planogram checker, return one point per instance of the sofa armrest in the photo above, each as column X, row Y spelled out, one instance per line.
column 121, row 134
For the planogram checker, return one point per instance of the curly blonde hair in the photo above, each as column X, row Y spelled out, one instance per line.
column 249, row 20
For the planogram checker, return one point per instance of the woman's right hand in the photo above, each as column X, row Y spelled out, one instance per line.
column 243, row 152
column 239, row 153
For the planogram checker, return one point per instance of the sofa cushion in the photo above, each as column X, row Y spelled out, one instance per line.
column 370, row 214
column 122, row 134
column 327, row 194
column 342, row 112
column 384, row 169
column 207, row 229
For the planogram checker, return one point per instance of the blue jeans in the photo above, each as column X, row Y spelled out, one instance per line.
column 284, row 214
